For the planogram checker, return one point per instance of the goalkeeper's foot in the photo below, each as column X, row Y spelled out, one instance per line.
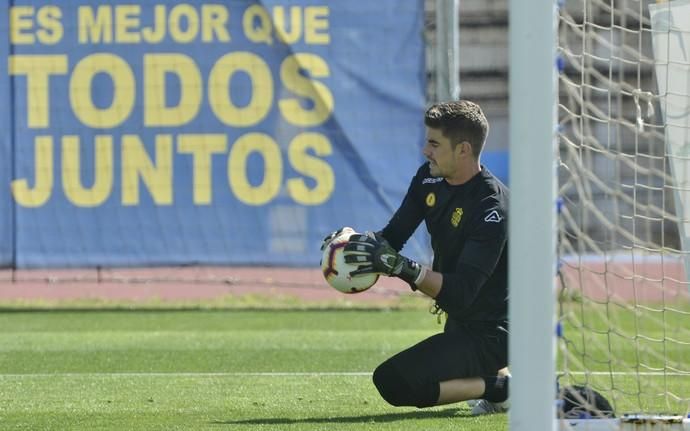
column 484, row 407
column 472, row 403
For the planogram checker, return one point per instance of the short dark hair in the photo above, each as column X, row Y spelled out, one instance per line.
column 459, row 121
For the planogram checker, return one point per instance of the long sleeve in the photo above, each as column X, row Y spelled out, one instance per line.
column 406, row 219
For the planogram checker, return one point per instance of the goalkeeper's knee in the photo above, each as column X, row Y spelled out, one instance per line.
column 397, row 392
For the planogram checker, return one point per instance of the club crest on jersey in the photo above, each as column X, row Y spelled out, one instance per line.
column 493, row 217
column 456, row 217
column 431, row 199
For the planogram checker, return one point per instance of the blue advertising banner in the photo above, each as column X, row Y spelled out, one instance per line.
column 6, row 207
column 235, row 132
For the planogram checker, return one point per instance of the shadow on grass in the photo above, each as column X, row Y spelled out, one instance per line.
column 388, row 417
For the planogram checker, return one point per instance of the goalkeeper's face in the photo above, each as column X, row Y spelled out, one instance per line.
column 444, row 158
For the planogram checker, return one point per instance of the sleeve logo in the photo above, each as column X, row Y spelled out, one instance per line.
column 430, row 199
column 493, row 217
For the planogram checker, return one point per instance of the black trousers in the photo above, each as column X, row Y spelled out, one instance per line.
column 412, row 376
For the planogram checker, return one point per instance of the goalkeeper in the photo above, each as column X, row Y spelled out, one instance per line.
column 465, row 208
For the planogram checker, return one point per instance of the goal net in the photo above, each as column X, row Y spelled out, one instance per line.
column 624, row 131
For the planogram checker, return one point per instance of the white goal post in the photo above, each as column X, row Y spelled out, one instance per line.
column 532, row 88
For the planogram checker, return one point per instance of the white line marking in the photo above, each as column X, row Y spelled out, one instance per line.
column 306, row 373
column 200, row 374
column 626, row 373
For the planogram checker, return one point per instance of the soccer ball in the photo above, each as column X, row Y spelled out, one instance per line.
column 337, row 272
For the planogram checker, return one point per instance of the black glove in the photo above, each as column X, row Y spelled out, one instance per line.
column 328, row 238
column 372, row 253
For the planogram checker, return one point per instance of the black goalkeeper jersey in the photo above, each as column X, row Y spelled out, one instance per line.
column 468, row 228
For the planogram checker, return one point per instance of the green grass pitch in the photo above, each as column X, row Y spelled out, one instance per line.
column 234, row 369
column 211, row 370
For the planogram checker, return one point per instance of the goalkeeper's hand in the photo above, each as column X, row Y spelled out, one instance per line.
column 373, row 254
column 331, row 236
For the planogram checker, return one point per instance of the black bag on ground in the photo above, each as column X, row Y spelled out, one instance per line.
column 581, row 402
